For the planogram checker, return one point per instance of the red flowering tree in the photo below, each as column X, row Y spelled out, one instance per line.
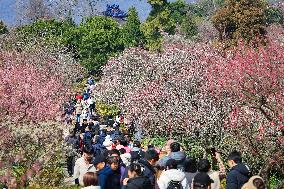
column 254, row 78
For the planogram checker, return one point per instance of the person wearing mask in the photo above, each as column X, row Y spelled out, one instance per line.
column 190, row 170
column 175, row 154
column 136, row 179
column 172, row 177
column 238, row 174
column 90, row 180
column 83, row 165
column 201, row 181
column 205, row 166
column 105, row 173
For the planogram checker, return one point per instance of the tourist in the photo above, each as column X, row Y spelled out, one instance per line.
column 176, row 154
column 105, row 173
column 90, row 180
column 201, row 181
column 190, row 170
column 255, row 182
column 172, row 177
column 205, row 166
column 136, row 179
column 83, row 165
column 72, row 142
column 113, row 163
column 137, row 153
column 239, row 173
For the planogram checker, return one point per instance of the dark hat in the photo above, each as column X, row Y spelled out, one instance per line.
column 97, row 160
column 202, row 180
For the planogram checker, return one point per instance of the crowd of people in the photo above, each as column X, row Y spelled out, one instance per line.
column 105, row 156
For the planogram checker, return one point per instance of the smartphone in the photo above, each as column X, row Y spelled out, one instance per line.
column 213, row 151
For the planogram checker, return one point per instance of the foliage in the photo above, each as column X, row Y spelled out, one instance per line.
column 205, row 8
column 106, row 110
column 189, row 27
column 97, row 39
column 274, row 15
column 131, row 32
column 3, row 28
column 164, row 16
column 31, row 154
column 240, row 19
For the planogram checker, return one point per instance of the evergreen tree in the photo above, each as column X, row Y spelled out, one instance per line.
column 240, row 19
column 3, row 28
column 131, row 32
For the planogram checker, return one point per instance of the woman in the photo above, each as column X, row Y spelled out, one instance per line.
column 255, row 182
column 90, row 180
column 136, row 179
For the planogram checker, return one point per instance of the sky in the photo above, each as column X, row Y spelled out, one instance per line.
column 8, row 12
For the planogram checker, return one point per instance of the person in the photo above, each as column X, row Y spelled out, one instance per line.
column 239, row 173
column 172, row 177
column 98, row 147
column 79, row 110
column 84, row 125
column 83, row 165
column 90, row 181
column 205, row 166
column 176, row 154
column 190, row 170
column 136, row 153
column 136, row 179
column 105, row 173
column 88, row 136
column 113, row 163
column 255, row 182
column 72, row 142
column 201, row 181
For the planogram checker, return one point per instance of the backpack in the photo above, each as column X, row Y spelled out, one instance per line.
column 174, row 185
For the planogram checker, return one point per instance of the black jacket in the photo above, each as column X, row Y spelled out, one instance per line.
column 138, row 183
column 237, row 177
column 148, row 172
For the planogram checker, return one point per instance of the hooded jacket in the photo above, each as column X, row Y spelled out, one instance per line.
column 237, row 176
column 172, row 175
column 105, row 176
column 138, row 183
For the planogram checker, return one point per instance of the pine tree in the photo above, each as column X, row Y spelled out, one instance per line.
column 131, row 32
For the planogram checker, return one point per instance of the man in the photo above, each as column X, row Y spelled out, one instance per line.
column 201, row 181
column 239, row 173
column 172, row 177
column 175, row 154
column 84, row 165
column 105, row 173
column 88, row 136
column 136, row 152
column 147, row 163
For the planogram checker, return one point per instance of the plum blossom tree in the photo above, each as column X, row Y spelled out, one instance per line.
column 29, row 89
column 205, row 95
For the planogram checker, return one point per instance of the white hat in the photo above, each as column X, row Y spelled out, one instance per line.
column 108, row 144
column 126, row 158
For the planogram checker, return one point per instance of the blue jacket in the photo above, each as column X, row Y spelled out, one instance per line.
column 105, row 176
column 88, row 138
column 237, row 177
